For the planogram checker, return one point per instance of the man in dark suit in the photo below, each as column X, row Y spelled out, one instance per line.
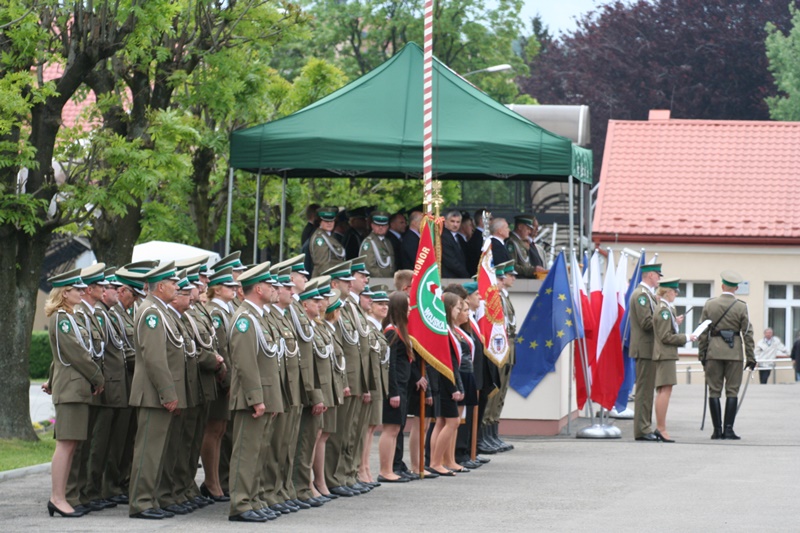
column 454, row 264
column 410, row 243
column 397, row 228
column 475, row 243
column 500, row 231
column 312, row 224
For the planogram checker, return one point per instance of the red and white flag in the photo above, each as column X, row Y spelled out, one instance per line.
column 589, row 323
column 492, row 320
column 608, row 372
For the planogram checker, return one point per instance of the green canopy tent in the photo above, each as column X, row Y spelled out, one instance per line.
column 372, row 127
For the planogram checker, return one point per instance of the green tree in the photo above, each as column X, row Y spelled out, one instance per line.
column 783, row 53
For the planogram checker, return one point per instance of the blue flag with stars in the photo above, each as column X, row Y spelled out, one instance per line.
column 549, row 327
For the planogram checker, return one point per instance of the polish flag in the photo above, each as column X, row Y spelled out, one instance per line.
column 608, row 371
column 589, row 326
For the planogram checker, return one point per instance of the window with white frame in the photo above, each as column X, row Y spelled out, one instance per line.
column 692, row 297
column 783, row 310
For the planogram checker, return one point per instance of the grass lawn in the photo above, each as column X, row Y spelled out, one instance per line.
column 19, row 453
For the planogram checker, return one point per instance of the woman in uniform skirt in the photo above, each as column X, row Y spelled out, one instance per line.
column 395, row 405
column 379, row 362
column 446, row 401
column 665, row 351
column 74, row 379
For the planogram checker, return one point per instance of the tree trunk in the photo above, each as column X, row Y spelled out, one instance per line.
column 113, row 238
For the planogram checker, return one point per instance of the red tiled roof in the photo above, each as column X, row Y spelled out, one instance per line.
column 710, row 181
column 73, row 109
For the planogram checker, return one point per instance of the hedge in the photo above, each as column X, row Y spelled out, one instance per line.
column 41, row 355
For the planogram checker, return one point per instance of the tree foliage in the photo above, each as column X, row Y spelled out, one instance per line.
column 702, row 59
column 783, row 52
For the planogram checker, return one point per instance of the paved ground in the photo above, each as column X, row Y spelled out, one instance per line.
column 545, row 484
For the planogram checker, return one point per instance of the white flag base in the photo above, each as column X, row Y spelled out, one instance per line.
column 599, row 431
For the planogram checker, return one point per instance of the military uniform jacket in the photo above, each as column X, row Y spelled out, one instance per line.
column 310, row 393
column 511, row 325
column 207, row 346
column 221, row 321
column 381, row 262
column 124, row 318
column 641, row 308
column 74, row 372
column 292, row 387
column 737, row 319
column 340, row 382
column 351, row 346
column 115, row 393
column 191, row 370
column 256, row 360
column 324, row 354
column 326, row 251
column 520, row 252
column 160, row 359
column 95, row 325
column 666, row 336
column 379, row 359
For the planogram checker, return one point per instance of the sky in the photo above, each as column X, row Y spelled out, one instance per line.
column 558, row 15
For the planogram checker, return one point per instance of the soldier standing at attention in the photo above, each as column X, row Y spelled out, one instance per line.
column 720, row 350
column 158, row 389
column 379, row 251
column 256, row 395
column 325, row 249
column 518, row 245
column 642, row 306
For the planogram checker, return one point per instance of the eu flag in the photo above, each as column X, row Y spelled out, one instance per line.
column 548, row 328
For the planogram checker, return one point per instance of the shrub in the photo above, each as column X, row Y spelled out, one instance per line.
column 41, row 355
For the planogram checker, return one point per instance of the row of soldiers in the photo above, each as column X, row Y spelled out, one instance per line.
column 257, row 361
column 392, row 241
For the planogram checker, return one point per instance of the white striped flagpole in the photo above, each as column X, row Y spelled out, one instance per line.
column 427, row 108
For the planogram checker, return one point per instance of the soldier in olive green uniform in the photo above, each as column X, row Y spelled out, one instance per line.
column 325, row 249
column 256, row 393
column 380, row 259
column 79, row 489
column 506, row 275
column 642, row 306
column 519, row 247
column 721, row 345
column 158, row 389
column 74, row 378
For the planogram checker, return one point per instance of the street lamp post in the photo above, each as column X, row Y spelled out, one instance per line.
column 495, row 68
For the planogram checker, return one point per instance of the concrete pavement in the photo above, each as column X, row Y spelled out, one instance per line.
column 545, row 484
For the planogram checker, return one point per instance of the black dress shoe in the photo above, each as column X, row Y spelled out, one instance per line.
column 149, row 514
column 121, row 499
column 650, row 437
column 430, row 474
column 661, row 437
column 189, row 504
column 472, row 465
column 268, row 513
column 321, row 499
column 289, row 504
column 301, row 504
column 167, row 514
column 359, row 487
column 461, row 470
column 400, row 479
column 445, row 473
column 207, row 493
column 95, row 505
column 200, row 501
column 279, row 508
column 342, row 491
column 247, row 516
column 52, row 509
column 311, row 502
column 85, row 509
column 483, row 460
column 177, row 509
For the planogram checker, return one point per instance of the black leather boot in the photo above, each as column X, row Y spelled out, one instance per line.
column 484, row 446
column 731, row 405
column 716, row 418
column 505, row 445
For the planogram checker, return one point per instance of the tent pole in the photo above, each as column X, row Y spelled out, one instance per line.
column 581, row 217
column 230, row 210
column 283, row 216
column 255, row 217
column 571, row 187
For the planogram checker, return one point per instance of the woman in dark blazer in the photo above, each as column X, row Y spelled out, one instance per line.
column 395, row 405
column 74, row 379
column 446, row 401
